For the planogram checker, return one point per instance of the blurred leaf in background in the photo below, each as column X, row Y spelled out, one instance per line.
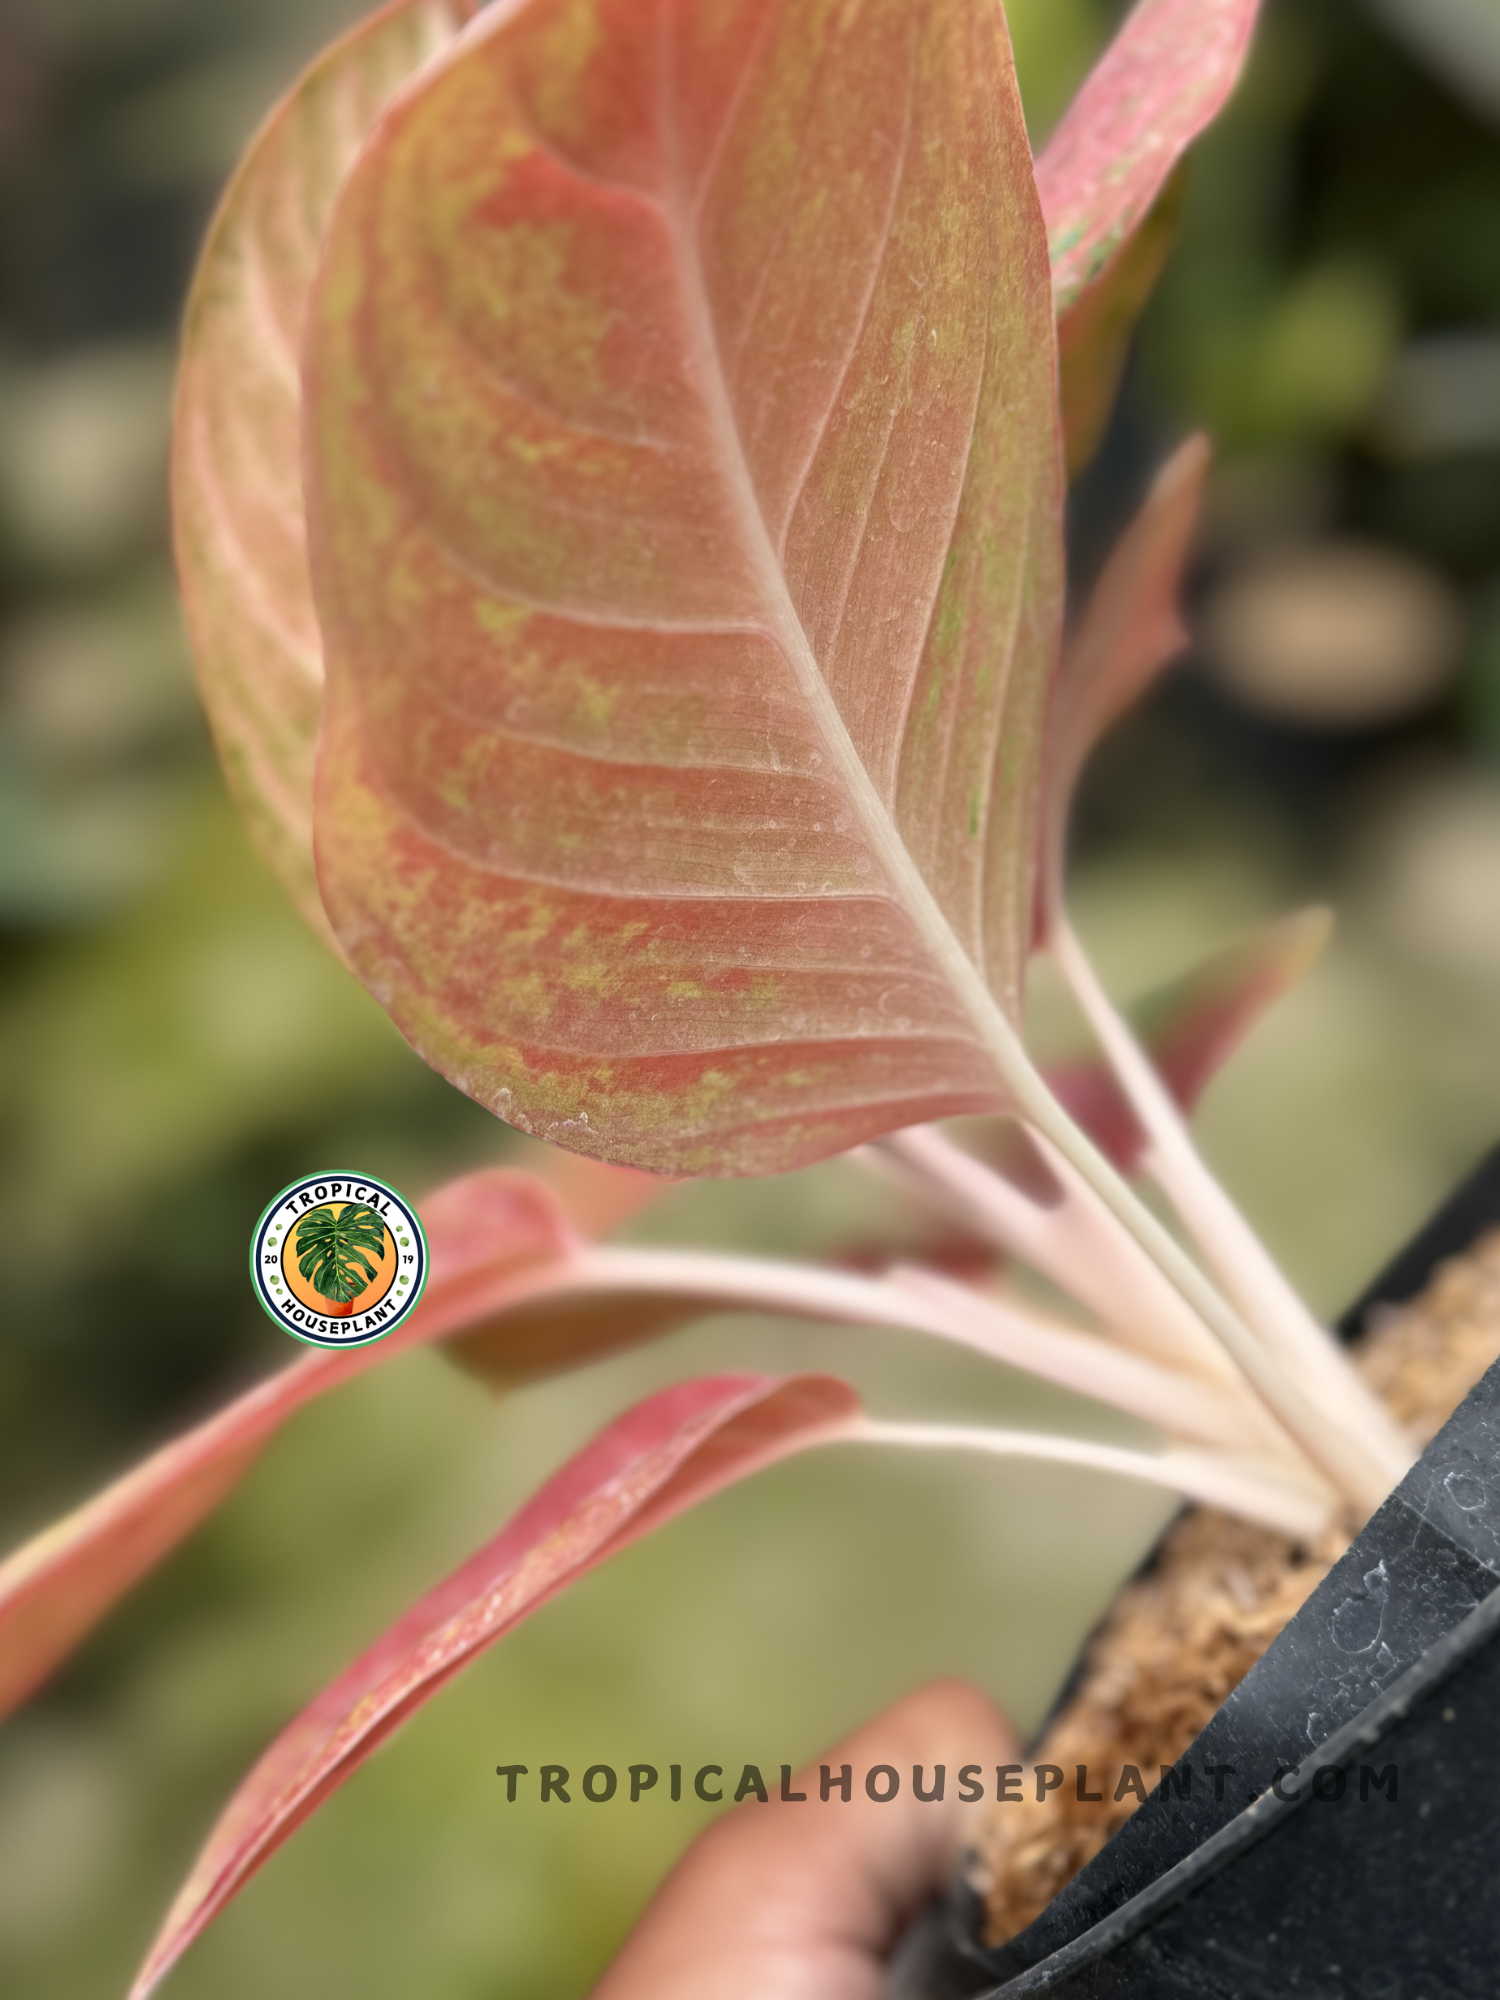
column 173, row 1041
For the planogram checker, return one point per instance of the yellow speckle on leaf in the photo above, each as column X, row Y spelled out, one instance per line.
column 499, row 621
column 526, row 996
column 596, row 979
column 537, row 451
column 566, row 49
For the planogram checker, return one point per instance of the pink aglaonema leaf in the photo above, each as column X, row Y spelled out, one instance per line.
column 1129, row 631
column 237, row 463
column 1163, row 78
column 684, row 498
column 515, row 1294
column 236, row 472
column 1111, row 182
column 489, row 1235
column 1192, row 1027
column 660, row 1458
column 1094, row 334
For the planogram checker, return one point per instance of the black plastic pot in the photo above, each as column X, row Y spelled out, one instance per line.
column 1315, row 1873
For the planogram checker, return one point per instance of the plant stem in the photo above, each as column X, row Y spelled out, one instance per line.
column 912, row 1301
column 1333, row 1442
column 1221, row 1231
column 1074, row 1242
column 1236, row 1485
column 1184, row 1406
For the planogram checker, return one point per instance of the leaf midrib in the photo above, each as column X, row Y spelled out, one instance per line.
column 909, row 887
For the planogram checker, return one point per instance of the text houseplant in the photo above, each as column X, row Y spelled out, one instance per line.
column 620, row 460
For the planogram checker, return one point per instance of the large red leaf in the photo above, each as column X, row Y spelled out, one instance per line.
column 651, row 1464
column 236, row 462
column 1164, row 77
column 684, row 499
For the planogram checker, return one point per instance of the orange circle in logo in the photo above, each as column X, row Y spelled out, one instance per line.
column 375, row 1289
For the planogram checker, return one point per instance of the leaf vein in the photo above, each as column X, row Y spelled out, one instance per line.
column 877, row 266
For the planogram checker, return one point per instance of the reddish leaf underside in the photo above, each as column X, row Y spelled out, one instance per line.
column 1165, row 76
column 684, row 499
column 236, row 457
column 660, row 1458
column 1192, row 1027
column 237, row 465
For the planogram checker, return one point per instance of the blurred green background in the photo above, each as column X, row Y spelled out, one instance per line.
column 172, row 1042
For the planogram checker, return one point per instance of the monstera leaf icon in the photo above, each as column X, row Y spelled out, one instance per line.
column 331, row 1246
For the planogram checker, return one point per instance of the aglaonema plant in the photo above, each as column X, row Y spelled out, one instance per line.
column 620, row 459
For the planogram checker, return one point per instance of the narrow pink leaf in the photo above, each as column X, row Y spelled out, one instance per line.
column 566, row 1318
column 489, row 1234
column 1164, row 77
column 684, row 496
column 1129, row 631
column 236, row 472
column 1191, row 1028
column 1094, row 333
column 1196, row 1023
column 660, row 1458
column 514, row 1294
column 60, row 1583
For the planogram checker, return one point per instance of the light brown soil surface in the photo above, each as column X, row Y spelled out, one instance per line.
column 1179, row 1637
